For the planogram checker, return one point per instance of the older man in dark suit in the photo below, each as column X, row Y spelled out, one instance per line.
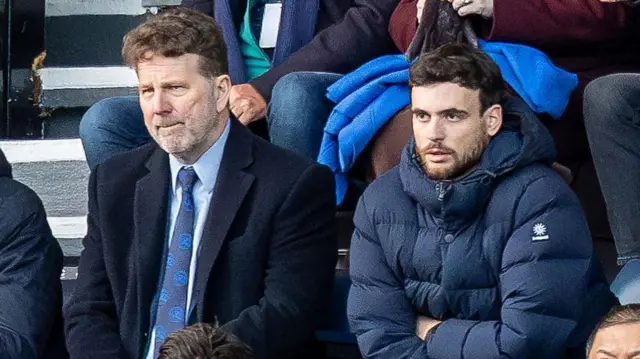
column 208, row 223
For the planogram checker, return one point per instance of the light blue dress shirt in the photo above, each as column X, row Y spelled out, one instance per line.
column 206, row 167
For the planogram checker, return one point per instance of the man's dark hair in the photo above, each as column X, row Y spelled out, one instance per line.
column 461, row 64
column 619, row 315
column 176, row 32
column 204, row 341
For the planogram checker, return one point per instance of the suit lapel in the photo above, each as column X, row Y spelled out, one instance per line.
column 292, row 36
column 150, row 222
column 223, row 12
column 232, row 185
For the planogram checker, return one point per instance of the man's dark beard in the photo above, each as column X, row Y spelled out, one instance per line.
column 461, row 165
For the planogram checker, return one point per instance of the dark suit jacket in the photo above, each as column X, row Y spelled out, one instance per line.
column 30, row 268
column 266, row 261
column 315, row 35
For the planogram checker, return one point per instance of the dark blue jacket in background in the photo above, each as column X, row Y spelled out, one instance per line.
column 315, row 35
column 30, row 268
column 503, row 256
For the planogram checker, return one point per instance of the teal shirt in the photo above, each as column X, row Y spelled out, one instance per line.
column 256, row 61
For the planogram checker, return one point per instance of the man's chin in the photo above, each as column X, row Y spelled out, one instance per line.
column 438, row 171
column 172, row 147
column 437, row 174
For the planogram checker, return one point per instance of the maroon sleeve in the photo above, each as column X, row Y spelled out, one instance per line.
column 359, row 37
column 403, row 24
column 542, row 23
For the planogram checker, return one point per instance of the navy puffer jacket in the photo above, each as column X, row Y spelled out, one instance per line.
column 502, row 256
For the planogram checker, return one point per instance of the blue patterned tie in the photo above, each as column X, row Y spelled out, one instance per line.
column 172, row 303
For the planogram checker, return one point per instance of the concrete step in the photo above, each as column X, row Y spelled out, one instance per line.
column 56, row 170
column 83, row 63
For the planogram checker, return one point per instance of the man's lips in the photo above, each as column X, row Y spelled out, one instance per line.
column 169, row 126
column 438, row 152
column 437, row 155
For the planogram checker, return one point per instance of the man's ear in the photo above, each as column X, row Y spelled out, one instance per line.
column 493, row 119
column 222, row 85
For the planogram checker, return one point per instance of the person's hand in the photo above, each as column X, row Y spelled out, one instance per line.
column 423, row 325
column 420, row 6
column 247, row 104
column 483, row 8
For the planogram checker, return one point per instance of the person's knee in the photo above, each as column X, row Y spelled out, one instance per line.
column 295, row 93
column 298, row 88
column 104, row 115
column 604, row 97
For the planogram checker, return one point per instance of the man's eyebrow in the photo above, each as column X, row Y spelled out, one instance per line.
column 455, row 111
column 605, row 352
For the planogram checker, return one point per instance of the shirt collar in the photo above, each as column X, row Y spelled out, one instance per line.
column 206, row 166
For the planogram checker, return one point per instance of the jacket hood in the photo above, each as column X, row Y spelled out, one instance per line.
column 5, row 167
column 522, row 141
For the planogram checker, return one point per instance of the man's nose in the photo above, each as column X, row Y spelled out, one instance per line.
column 435, row 130
column 160, row 103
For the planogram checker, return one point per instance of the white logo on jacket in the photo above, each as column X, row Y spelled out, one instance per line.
column 539, row 232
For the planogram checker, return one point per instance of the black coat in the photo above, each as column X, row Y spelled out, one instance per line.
column 30, row 268
column 266, row 263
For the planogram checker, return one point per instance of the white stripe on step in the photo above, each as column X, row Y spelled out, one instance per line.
column 57, row 78
column 68, row 227
column 43, row 150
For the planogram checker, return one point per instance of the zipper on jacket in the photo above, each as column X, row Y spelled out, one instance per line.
column 440, row 188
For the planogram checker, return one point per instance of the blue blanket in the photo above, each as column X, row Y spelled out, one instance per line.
column 369, row 96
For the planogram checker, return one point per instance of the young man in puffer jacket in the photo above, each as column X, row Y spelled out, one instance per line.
column 473, row 246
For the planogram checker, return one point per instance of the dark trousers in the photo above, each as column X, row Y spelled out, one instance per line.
column 612, row 120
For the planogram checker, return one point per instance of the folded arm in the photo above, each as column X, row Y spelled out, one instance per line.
column 543, row 290
column 380, row 315
column 543, row 284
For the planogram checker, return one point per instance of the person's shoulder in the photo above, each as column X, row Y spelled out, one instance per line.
column 17, row 199
column 273, row 160
column 118, row 165
column 131, row 158
column 18, row 204
column 537, row 183
column 386, row 188
column 385, row 199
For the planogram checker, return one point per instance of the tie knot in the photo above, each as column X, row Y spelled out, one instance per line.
column 187, row 178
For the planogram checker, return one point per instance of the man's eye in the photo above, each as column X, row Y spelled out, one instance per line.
column 453, row 117
column 422, row 116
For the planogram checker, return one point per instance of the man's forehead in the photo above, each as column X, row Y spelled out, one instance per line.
column 166, row 68
column 186, row 61
column 444, row 96
column 617, row 337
